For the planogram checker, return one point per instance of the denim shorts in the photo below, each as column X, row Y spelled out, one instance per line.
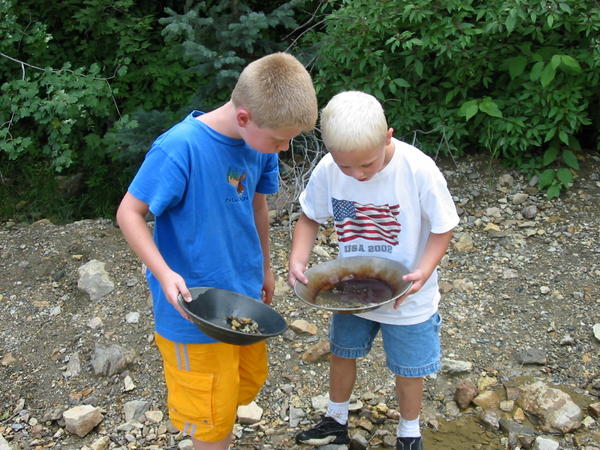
column 412, row 351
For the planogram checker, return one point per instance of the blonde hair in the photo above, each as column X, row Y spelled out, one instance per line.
column 278, row 92
column 352, row 121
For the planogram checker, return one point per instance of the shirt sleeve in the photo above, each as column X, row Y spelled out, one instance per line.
column 269, row 179
column 436, row 201
column 315, row 198
column 160, row 182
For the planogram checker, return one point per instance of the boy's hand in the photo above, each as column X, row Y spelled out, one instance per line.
column 268, row 287
column 418, row 278
column 173, row 284
column 296, row 273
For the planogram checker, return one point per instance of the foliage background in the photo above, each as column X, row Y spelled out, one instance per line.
column 86, row 87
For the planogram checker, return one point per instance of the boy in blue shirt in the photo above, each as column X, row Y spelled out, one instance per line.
column 387, row 199
column 206, row 180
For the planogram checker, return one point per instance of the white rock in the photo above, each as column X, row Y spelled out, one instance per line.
column 132, row 317
column 94, row 323
column 186, row 444
column 320, row 402
column 554, row 407
column 596, row 330
column 302, row 326
column 101, row 443
column 545, row 443
column 249, row 414
column 94, row 280
column 82, row 419
column 4, row 444
column 454, row 366
column 154, row 416
column 129, row 385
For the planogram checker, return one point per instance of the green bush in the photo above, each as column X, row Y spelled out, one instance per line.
column 519, row 79
column 86, row 87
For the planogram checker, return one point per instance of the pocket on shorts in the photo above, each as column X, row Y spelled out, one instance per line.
column 190, row 395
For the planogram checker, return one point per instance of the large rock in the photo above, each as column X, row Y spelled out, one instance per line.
column 94, row 280
column 108, row 360
column 556, row 410
column 465, row 392
column 4, row 444
column 82, row 419
column 249, row 414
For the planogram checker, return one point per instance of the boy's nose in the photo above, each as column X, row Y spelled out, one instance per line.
column 359, row 174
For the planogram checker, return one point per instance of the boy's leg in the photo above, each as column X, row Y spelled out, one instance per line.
column 342, row 375
column 412, row 352
column 219, row 445
column 253, row 374
column 253, row 371
column 410, row 394
column 203, row 385
column 350, row 338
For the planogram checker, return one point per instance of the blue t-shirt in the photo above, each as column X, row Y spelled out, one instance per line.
column 200, row 185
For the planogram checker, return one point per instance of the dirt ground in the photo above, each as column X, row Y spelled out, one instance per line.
column 521, row 277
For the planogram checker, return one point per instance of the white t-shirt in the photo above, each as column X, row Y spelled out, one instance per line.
column 390, row 216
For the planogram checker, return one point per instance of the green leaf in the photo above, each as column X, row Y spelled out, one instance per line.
column 550, row 155
column 536, row 71
column 547, row 75
column 468, row 109
column 563, row 136
column 550, row 134
column 511, row 21
column 516, row 66
column 419, row 68
column 401, row 82
column 565, row 176
column 547, row 177
column 550, row 20
column 555, row 61
column 490, row 108
column 570, row 63
column 553, row 191
column 570, row 159
column 565, row 7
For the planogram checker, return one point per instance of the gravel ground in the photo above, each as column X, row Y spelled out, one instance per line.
column 520, row 301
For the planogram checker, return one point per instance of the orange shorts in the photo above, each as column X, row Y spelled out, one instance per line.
column 207, row 382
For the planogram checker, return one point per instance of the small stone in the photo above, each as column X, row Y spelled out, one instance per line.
column 249, row 414
column 302, row 326
column 316, row 352
column 596, row 330
column 507, row 405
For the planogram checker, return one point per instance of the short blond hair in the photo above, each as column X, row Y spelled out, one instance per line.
column 352, row 121
column 278, row 92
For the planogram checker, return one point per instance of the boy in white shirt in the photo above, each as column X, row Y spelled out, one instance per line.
column 387, row 199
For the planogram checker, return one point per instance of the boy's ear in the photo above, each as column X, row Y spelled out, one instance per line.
column 242, row 116
column 388, row 136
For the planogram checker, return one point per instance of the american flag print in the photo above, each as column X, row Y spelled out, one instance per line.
column 373, row 222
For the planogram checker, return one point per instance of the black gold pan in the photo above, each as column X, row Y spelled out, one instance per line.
column 210, row 308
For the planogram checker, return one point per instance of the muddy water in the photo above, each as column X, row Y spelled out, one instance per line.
column 463, row 433
column 466, row 432
column 354, row 293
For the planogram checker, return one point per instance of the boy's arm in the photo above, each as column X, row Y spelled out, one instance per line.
column 303, row 240
column 261, row 219
column 131, row 217
column 436, row 247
